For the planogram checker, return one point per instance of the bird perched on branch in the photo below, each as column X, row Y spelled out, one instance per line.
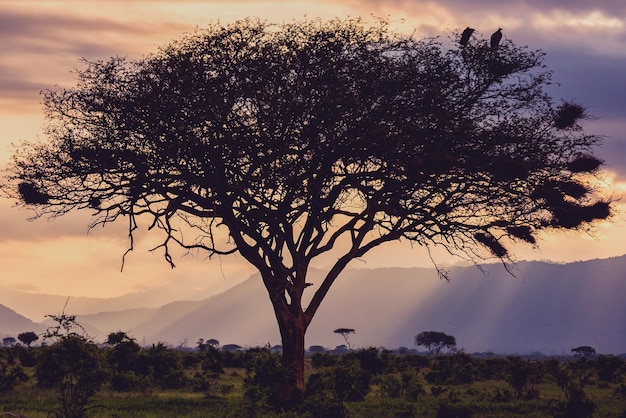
column 465, row 36
column 496, row 38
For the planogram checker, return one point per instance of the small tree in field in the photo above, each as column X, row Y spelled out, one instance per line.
column 73, row 365
column 9, row 341
column 289, row 142
column 344, row 333
column 28, row 337
column 584, row 351
column 435, row 341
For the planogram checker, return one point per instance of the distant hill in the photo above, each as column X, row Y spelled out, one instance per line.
column 125, row 320
column 546, row 307
column 36, row 306
column 12, row 323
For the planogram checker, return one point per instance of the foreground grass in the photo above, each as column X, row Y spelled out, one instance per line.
column 470, row 400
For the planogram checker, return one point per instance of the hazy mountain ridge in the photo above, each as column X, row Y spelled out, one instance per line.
column 12, row 323
column 547, row 307
column 37, row 305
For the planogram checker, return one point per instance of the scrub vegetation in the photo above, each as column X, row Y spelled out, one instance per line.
column 123, row 379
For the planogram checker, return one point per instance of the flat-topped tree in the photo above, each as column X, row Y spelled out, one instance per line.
column 435, row 341
column 286, row 142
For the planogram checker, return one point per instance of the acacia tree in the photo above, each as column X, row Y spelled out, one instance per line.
column 285, row 142
column 344, row 333
column 28, row 337
column 435, row 341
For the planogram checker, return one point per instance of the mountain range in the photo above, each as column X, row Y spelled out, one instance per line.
column 543, row 307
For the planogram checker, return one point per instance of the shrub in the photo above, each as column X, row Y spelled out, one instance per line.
column 157, row 362
column 265, row 383
column 10, row 376
column 345, row 382
column 390, row 385
column 369, row 359
column 523, row 377
column 76, row 369
column 610, row 368
column 205, row 381
column 125, row 382
column 176, row 379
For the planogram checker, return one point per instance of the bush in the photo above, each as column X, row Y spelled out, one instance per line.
column 390, row 385
column 125, row 382
column 76, row 368
column 369, row 359
column 176, row 379
column 406, row 385
column 157, row 362
column 212, row 360
column 345, row 382
column 326, row 359
column 610, row 368
column 10, row 376
column 579, row 406
column 205, row 381
column 265, row 383
column 523, row 377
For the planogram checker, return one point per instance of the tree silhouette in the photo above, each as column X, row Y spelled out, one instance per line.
column 8, row 341
column 28, row 337
column 584, row 351
column 286, row 142
column 435, row 341
column 344, row 333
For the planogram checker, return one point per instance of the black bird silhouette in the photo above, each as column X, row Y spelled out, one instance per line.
column 465, row 36
column 495, row 38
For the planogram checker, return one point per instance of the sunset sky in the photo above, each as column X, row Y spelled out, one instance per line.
column 42, row 42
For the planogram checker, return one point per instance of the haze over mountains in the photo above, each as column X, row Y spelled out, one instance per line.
column 549, row 308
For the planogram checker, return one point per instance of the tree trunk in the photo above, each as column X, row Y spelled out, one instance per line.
column 292, row 330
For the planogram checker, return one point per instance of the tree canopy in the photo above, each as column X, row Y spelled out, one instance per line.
column 28, row 337
column 435, row 341
column 284, row 142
